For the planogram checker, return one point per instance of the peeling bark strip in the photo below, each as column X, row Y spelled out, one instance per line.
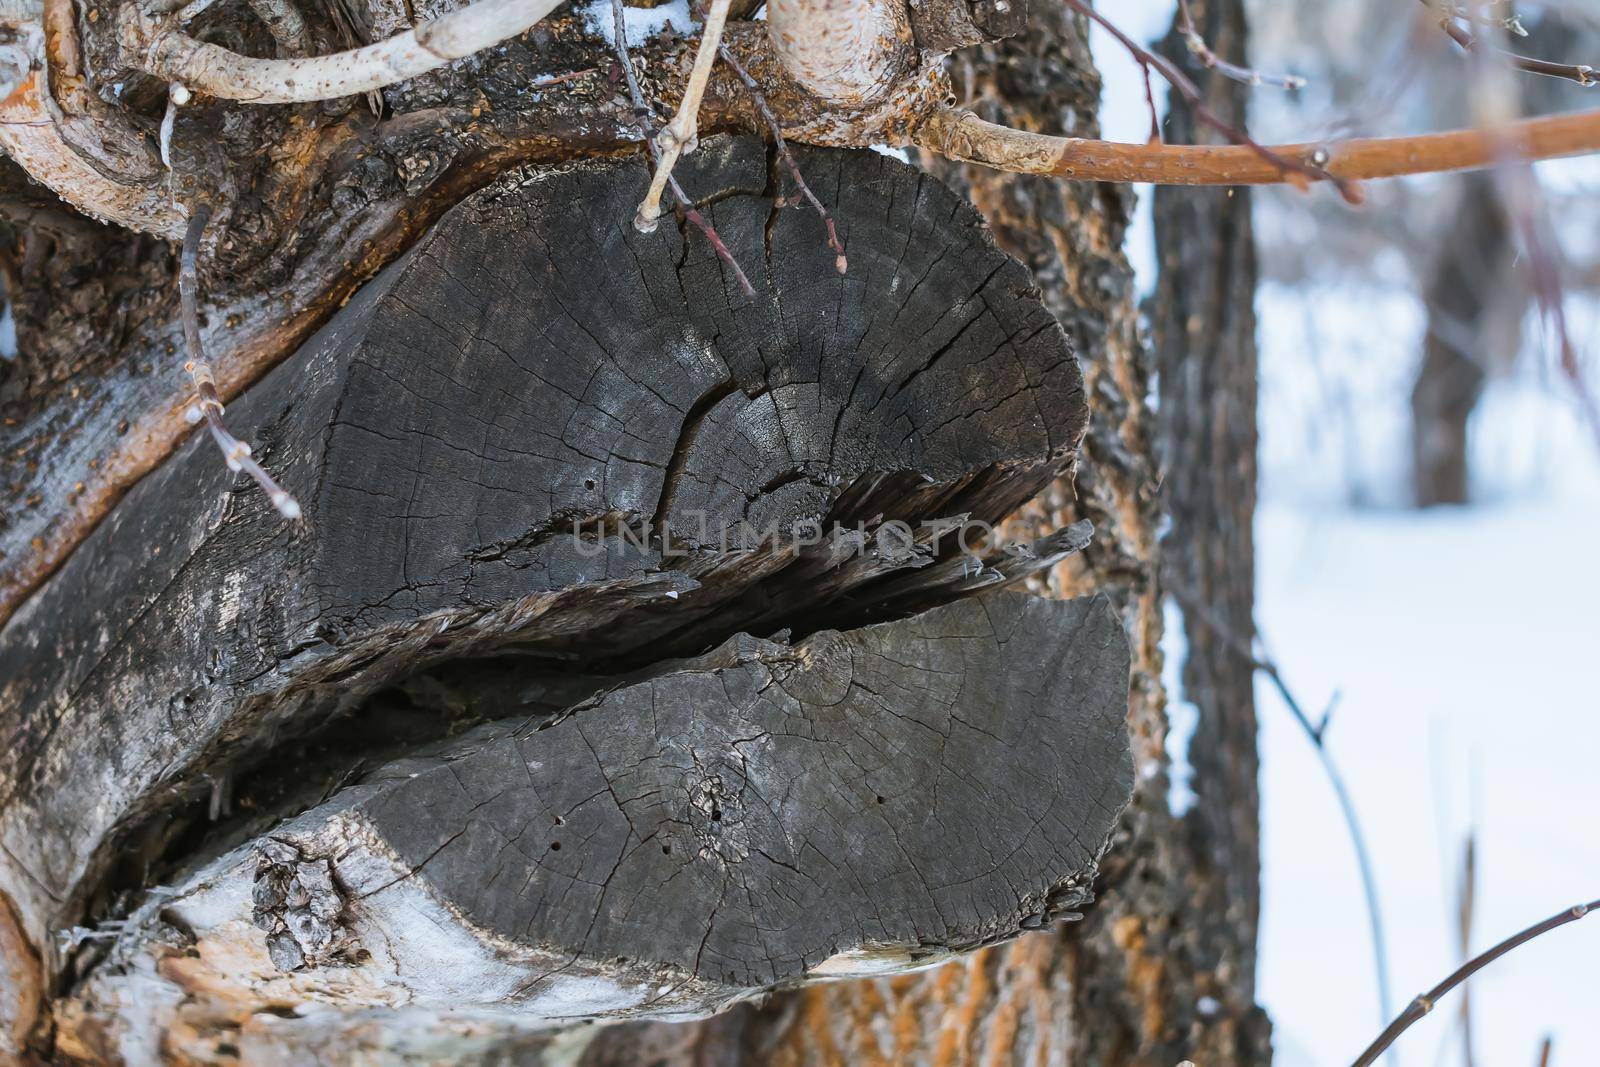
column 859, row 803
column 447, row 428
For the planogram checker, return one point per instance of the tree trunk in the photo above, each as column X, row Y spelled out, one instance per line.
column 1466, row 300
column 1203, row 327
column 380, row 786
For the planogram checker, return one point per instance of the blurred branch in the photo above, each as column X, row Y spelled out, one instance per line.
column 1426, row 1001
column 1202, row 52
column 1451, row 18
column 1317, row 732
column 1466, row 897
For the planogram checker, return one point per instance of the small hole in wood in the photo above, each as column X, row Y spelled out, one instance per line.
column 555, row 846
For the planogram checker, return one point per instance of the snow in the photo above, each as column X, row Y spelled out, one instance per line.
column 639, row 23
column 1460, row 639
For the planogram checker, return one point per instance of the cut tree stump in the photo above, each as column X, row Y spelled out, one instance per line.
column 857, row 803
column 544, row 438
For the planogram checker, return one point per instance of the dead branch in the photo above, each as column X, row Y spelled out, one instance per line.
column 959, row 134
column 776, row 128
column 1466, row 898
column 287, row 26
column 158, row 46
column 680, row 135
column 65, row 137
column 1316, row 732
column 646, row 117
column 1426, row 1002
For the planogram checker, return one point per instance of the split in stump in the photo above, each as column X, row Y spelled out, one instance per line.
column 556, row 474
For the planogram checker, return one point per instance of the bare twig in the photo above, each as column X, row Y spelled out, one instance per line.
column 680, row 134
column 1450, row 19
column 1211, row 61
column 208, row 406
column 765, row 110
column 155, row 44
column 960, row 134
column 1293, row 169
column 1527, row 207
column 645, row 118
column 1425, row 1003
column 1510, row 21
column 1496, row 102
column 177, row 96
column 1466, row 899
column 1545, row 1048
column 1316, row 732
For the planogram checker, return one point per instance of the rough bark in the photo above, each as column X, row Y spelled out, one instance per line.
column 1203, row 329
column 484, row 440
column 1134, row 983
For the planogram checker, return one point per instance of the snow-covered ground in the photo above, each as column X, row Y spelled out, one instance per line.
column 1465, row 643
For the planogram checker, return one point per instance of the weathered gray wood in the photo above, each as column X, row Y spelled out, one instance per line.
column 858, row 803
column 531, row 362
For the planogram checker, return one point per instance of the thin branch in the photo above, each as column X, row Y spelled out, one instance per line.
column 679, row 135
column 208, row 406
column 1526, row 204
column 959, row 134
column 1211, row 61
column 1316, row 732
column 1511, row 22
column 765, row 110
column 645, row 116
column 1425, row 1002
column 157, row 46
column 1292, row 169
column 1450, row 18
column 1466, row 899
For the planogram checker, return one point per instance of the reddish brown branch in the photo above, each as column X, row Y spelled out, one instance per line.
column 776, row 128
column 1289, row 168
column 961, row 135
column 1425, row 1002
